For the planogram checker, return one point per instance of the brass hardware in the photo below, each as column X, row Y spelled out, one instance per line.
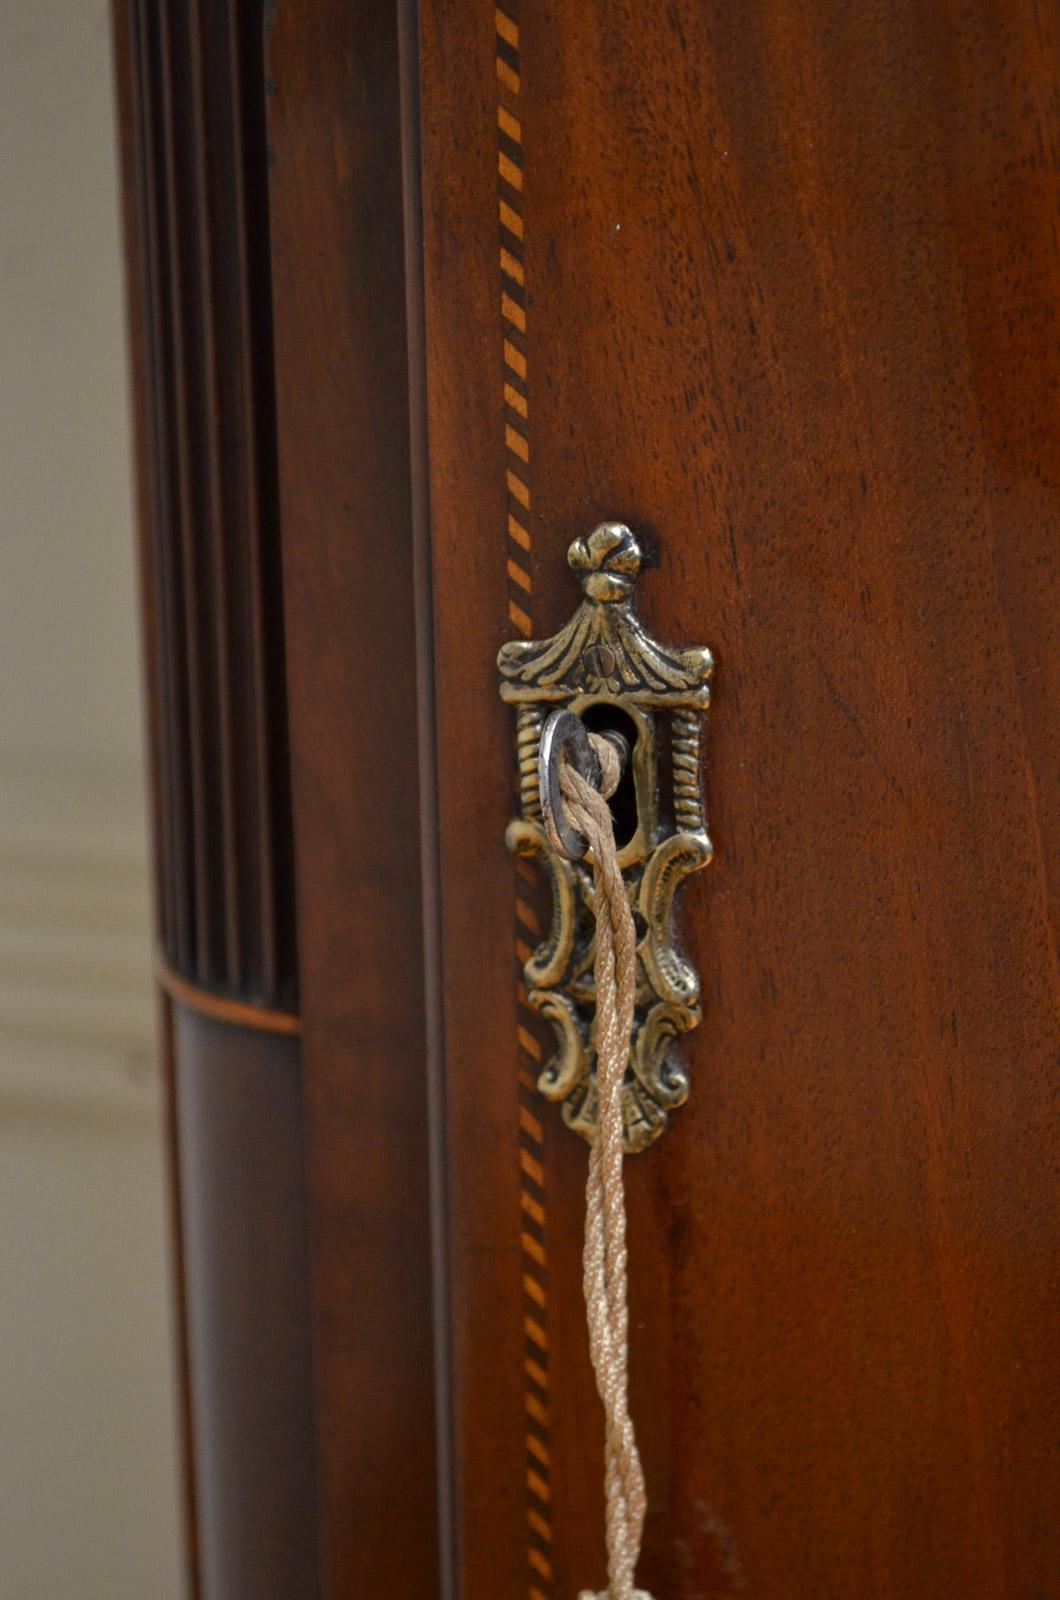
column 607, row 669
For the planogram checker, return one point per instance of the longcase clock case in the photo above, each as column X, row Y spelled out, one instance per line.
column 419, row 295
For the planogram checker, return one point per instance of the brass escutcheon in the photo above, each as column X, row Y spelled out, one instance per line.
column 605, row 667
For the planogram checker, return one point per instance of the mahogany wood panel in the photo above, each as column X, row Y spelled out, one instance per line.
column 349, row 558
column 246, row 1262
column 780, row 286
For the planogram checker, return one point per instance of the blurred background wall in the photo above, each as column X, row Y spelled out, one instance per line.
column 88, row 1496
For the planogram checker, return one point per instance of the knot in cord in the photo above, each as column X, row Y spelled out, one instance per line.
column 604, row 1256
column 610, row 765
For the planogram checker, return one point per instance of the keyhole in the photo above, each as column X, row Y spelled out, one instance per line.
column 602, row 718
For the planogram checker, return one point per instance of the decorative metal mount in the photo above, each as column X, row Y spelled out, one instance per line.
column 605, row 667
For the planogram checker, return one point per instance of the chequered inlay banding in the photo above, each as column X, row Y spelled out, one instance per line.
column 510, row 183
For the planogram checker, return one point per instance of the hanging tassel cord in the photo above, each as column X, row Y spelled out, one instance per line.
column 604, row 1258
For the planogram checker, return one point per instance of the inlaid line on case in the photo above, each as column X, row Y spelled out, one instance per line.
column 516, row 425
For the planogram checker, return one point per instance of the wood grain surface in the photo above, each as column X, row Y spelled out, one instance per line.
column 778, row 284
column 245, row 1250
column 791, row 281
column 345, row 468
column 190, row 105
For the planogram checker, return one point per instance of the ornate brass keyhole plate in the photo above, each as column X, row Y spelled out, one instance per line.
column 607, row 668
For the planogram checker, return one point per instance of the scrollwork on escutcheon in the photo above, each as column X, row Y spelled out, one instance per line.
column 606, row 667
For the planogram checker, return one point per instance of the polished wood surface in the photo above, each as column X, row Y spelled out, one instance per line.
column 191, row 124
column 192, row 103
column 246, row 1264
column 345, row 466
column 220, row 1008
column 778, row 286
column 785, row 291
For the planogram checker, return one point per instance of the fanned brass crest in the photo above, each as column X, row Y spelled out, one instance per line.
column 608, row 669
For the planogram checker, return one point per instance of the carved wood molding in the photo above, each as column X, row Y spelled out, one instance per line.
column 201, row 319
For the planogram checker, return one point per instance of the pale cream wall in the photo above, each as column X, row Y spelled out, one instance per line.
column 88, row 1496
column 67, row 617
